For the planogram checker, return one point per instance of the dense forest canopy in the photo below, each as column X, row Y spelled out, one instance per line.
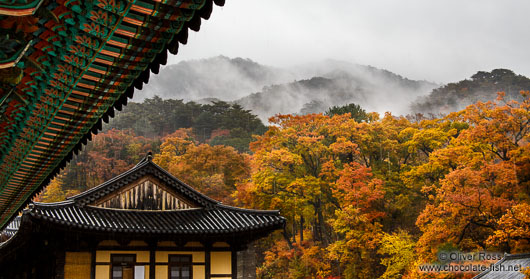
column 221, row 122
column 365, row 195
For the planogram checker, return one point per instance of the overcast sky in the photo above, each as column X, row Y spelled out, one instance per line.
column 439, row 41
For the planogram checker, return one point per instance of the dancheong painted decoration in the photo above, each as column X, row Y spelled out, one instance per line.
column 65, row 65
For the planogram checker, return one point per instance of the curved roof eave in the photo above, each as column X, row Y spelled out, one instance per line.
column 35, row 151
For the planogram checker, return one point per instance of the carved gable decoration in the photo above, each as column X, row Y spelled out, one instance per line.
column 146, row 186
column 145, row 194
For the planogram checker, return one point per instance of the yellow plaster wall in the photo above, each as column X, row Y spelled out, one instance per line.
column 137, row 243
column 102, row 272
column 103, row 256
column 77, row 265
column 108, row 243
column 199, row 272
column 221, row 262
column 163, row 256
column 167, row 244
column 142, row 256
column 161, row 272
column 193, row 244
column 221, row 244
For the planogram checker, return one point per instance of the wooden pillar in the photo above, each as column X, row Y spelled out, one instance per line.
column 234, row 264
column 92, row 262
column 152, row 260
column 208, row 262
column 60, row 262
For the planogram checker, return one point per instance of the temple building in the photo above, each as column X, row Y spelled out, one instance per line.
column 144, row 223
column 66, row 67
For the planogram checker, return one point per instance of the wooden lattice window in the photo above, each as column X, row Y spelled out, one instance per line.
column 122, row 266
column 180, row 267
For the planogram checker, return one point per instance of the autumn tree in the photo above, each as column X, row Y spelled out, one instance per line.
column 56, row 191
column 157, row 117
column 482, row 175
column 308, row 167
column 107, row 155
column 398, row 251
column 213, row 170
column 513, row 229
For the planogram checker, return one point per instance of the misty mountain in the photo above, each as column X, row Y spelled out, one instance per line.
column 217, row 77
column 267, row 90
column 483, row 86
column 372, row 88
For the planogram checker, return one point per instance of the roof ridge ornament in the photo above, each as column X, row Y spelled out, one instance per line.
column 149, row 156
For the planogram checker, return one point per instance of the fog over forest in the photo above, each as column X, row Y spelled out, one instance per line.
column 266, row 90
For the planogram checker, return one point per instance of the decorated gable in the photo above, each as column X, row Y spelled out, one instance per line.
column 146, row 194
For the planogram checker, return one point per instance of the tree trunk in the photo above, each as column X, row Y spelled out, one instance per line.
column 301, row 228
column 294, row 230
column 322, row 225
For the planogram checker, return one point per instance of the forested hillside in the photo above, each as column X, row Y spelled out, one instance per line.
column 365, row 195
column 482, row 86
column 216, row 123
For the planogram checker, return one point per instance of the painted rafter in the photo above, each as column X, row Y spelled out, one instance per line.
column 83, row 62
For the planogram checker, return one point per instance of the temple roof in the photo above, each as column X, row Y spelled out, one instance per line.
column 504, row 269
column 85, row 212
column 11, row 229
column 220, row 219
column 65, row 67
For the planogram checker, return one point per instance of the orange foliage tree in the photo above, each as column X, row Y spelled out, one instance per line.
column 308, row 167
column 482, row 184
column 213, row 170
column 107, row 155
column 513, row 229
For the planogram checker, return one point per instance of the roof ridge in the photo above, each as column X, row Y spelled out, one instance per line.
column 148, row 157
column 140, row 210
column 257, row 211
column 51, row 204
column 505, row 258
